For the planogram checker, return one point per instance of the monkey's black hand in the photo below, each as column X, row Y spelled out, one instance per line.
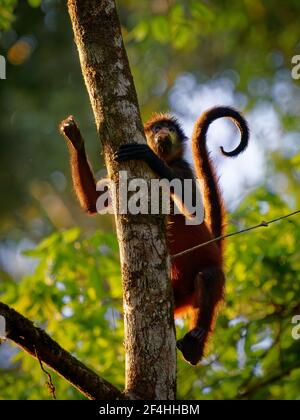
column 135, row 151
column 192, row 345
column 143, row 152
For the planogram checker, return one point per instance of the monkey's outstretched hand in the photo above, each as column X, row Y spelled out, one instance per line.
column 68, row 128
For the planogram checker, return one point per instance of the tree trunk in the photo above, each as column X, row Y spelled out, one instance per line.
column 148, row 302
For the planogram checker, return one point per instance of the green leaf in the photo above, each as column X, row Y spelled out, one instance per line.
column 200, row 10
column 160, row 29
column 70, row 235
column 140, row 31
column 34, row 3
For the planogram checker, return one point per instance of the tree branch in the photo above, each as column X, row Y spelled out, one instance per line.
column 269, row 381
column 37, row 342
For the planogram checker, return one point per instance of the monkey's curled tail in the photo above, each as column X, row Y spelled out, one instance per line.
column 215, row 213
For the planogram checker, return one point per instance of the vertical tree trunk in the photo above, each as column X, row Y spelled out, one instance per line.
column 148, row 308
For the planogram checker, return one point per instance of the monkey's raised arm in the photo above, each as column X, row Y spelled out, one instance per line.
column 83, row 179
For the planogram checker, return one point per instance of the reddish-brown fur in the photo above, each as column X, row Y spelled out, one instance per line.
column 198, row 278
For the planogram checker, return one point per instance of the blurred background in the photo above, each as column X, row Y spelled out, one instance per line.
column 60, row 267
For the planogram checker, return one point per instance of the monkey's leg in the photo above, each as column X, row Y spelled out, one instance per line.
column 209, row 293
column 83, row 179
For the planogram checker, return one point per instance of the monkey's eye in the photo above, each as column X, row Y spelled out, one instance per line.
column 156, row 129
column 172, row 129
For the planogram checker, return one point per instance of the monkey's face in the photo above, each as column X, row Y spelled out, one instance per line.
column 164, row 140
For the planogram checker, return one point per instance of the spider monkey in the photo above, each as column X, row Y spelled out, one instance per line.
column 198, row 278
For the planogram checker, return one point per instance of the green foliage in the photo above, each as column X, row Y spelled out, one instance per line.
column 7, row 9
column 164, row 39
column 6, row 13
column 75, row 291
column 75, row 294
column 34, row 3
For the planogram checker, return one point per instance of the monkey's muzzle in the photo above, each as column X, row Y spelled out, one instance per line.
column 163, row 144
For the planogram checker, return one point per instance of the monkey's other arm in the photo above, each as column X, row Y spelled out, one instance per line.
column 180, row 170
column 83, row 179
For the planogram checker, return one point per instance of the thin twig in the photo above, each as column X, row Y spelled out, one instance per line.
column 220, row 238
column 49, row 382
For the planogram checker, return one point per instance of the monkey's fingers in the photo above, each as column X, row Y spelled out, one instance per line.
column 133, row 146
column 131, row 152
column 125, row 156
column 69, row 129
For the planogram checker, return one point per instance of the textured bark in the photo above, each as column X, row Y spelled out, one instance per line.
column 37, row 343
column 148, row 307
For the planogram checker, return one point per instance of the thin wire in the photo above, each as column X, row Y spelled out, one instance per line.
column 220, row 238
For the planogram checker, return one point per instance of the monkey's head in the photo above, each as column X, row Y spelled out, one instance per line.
column 165, row 136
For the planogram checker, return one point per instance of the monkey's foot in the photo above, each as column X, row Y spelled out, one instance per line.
column 192, row 345
column 70, row 131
